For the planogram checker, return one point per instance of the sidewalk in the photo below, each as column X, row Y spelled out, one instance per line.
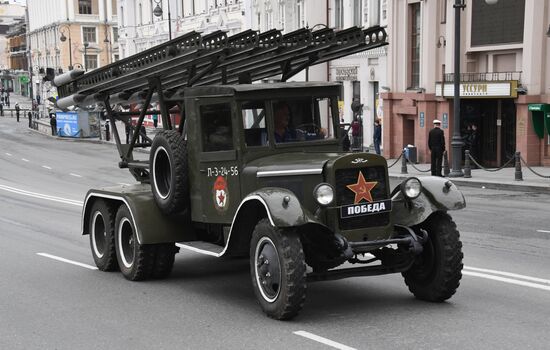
column 503, row 179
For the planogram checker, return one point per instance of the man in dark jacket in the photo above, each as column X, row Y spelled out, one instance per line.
column 377, row 136
column 17, row 109
column 436, row 144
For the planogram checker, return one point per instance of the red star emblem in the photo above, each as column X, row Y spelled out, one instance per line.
column 362, row 189
column 221, row 197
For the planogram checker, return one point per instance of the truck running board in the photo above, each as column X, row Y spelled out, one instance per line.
column 203, row 248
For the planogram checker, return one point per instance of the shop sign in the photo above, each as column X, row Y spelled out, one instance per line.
column 445, row 121
column 480, row 89
column 346, row 74
column 24, row 79
column 421, row 119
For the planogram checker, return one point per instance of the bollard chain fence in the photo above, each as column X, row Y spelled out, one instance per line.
column 490, row 169
column 420, row 170
column 397, row 160
column 533, row 171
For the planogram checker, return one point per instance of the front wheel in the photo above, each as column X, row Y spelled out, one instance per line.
column 436, row 273
column 278, row 270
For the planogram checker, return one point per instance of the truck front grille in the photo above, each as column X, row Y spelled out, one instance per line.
column 345, row 196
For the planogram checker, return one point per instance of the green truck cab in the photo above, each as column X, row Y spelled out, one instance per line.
column 259, row 171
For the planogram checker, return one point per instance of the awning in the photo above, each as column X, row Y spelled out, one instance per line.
column 540, row 112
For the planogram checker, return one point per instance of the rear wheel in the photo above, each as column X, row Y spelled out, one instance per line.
column 168, row 172
column 102, row 241
column 136, row 261
column 436, row 274
column 278, row 270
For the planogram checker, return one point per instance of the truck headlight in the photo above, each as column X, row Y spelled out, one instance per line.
column 324, row 194
column 411, row 188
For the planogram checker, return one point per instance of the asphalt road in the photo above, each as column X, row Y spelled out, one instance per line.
column 503, row 301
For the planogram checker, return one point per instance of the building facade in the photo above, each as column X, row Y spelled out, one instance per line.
column 363, row 74
column 141, row 29
column 66, row 34
column 504, row 81
column 10, row 16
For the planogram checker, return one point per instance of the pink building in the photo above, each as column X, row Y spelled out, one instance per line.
column 504, row 85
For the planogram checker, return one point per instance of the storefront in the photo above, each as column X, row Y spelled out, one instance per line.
column 488, row 119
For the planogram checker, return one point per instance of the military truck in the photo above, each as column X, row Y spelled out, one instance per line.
column 259, row 171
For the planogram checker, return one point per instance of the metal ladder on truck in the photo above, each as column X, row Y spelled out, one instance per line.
column 162, row 72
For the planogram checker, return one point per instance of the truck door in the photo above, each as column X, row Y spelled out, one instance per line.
column 218, row 162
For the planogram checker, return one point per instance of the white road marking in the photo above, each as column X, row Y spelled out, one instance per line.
column 9, row 154
column 40, row 196
column 323, row 340
column 506, row 280
column 75, row 175
column 25, row 160
column 46, row 167
column 509, row 274
column 67, row 261
column 543, row 231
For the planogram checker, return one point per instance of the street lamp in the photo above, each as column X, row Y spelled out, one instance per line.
column 158, row 13
column 456, row 141
column 63, row 38
column 86, row 44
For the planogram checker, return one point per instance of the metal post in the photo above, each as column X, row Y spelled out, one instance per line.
column 403, row 163
column 456, row 143
column 518, row 174
column 467, row 167
column 169, row 23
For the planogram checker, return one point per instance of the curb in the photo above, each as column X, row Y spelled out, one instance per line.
column 486, row 184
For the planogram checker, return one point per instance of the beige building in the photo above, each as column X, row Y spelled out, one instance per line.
column 504, row 83
column 63, row 34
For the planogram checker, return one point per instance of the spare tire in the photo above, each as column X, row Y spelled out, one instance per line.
column 168, row 172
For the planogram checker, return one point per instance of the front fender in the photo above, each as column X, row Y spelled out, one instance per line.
column 283, row 207
column 438, row 194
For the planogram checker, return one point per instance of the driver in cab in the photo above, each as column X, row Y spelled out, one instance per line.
column 285, row 133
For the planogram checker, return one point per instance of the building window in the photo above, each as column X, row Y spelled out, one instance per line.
column 282, row 16
column 91, row 61
column 85, row 7
column 300, row 12
column 384, row 12
column 415, row 45
column 338, row 14
column 357, row 6
column 88, row 35
column 117, row 57
column 443, row 11
column 115, row 34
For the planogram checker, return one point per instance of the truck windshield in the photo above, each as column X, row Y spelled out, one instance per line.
column 305, row 119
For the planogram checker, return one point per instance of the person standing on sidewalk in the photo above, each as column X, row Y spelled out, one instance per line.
column 29, row 115
column 155, row 120
column 53, row 123
column 436, row 144
column 377, row 137
column 1, row 109
column 17, row 109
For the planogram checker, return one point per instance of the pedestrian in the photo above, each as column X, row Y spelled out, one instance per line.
column 17, row 111
column 1, row 109
column 346, row 144
column 436, row 144
column 128, row 129
column 143, row 133
column 29, row 115
column 377, row 137
column 53, row 123
column 474, row 143
column 155, row 120
column 38, row 99
column 355, row 132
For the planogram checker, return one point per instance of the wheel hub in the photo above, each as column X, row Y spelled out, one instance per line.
column 268, row 269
